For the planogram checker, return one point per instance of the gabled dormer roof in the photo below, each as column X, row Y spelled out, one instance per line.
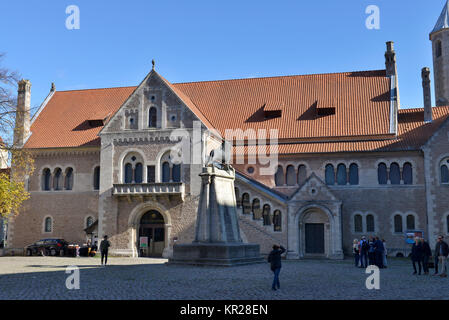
column 443, row 20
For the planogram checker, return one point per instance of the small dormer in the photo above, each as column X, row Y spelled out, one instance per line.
column 97, row 120
column 325, row 107
column 272, row 109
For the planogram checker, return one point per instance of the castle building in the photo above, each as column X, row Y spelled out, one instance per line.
column 346, row 160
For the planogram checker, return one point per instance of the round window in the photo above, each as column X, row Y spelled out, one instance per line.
column 250, row 170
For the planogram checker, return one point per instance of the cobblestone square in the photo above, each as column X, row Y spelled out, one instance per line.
column 143, row 278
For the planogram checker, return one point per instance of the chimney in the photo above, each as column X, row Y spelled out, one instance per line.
column 22, row 129
column 425, row 75
column 390, row 60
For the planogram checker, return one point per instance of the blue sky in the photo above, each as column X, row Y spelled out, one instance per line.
column 210, row 40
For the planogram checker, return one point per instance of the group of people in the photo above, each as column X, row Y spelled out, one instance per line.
column 372, row 251
column 421, row 254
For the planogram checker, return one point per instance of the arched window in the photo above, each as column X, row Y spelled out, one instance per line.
column 397, row 223
column 133, row 168
column 97, row 178
column 46, row 180
column 370, row 223
column 170, row 169
column 358, row 223
column 438, row 49
column 128, row 173
column 330, row 175
column 48, row 224
column 152, row 121
column 257, row 212
column 407, row 173
column 277, row 220
column 302, row 174
column 138, row 173
column 410, row 222
column 68, row 184
column 342, row 176
column 165, row 172
column 291, row 176
column 395, row 173
column 89, row 221
column 266, row 215
column 246, row 204
column 176, row 173
column 57, row 180
column 279, row 177
column 353, row 174
column 382, row 176
column 445, row 172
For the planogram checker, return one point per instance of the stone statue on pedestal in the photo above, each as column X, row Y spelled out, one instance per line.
column 217, row 236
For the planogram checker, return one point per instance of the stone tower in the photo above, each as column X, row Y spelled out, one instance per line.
column 440, row 52
column 22, row 129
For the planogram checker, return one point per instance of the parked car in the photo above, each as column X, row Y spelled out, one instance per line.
column 47, row 247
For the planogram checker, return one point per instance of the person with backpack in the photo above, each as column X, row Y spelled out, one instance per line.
column 104, row 247
column 274, row 258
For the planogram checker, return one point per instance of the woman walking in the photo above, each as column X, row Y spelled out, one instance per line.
column 426, row 254
column 356, row 251
column 275, row 259
column 417, row 253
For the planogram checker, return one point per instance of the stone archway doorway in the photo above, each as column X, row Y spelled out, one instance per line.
column 314, row 229
column 151, row 234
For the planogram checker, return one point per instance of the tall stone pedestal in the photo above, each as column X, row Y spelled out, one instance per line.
column 217, row 238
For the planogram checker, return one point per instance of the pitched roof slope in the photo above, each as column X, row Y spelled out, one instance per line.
column 361, row 101
column 412, row 134
column 64, row 120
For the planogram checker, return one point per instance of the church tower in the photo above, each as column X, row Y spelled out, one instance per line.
column 440, row 49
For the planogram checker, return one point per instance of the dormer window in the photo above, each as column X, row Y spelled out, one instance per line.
column 272, row 110
column 325, row 107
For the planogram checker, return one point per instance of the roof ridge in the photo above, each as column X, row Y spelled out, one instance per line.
column 285, row 76
column 105, row 88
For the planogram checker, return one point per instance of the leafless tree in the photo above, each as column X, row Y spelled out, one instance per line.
column 8, row 103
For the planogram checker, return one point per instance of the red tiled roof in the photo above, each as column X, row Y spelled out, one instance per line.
column 361, row 101
column 64, row 120
column 412, row 134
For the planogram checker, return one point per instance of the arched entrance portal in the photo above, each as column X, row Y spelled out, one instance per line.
column 151, row 239
column 314, row 229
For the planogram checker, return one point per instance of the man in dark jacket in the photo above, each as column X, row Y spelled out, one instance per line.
column 379, row 252
column 441, row 252
column 275, row 259
column 104, row 247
